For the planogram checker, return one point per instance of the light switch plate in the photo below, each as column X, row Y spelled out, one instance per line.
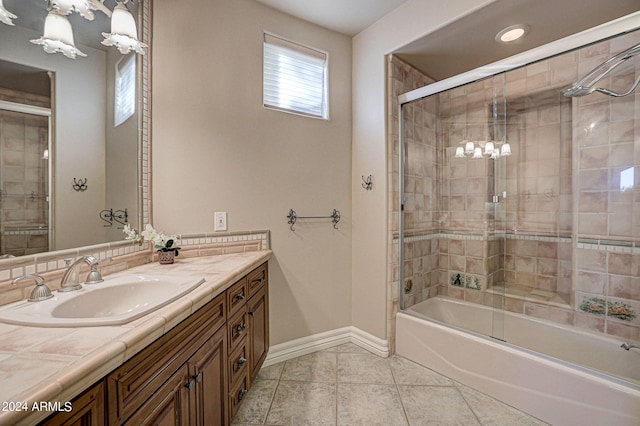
column 220, row 221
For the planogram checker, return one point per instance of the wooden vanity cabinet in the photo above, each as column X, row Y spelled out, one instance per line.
column 196, row 374
column 88, row 410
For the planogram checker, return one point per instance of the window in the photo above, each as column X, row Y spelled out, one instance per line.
column 295, row 78
column 125, row 91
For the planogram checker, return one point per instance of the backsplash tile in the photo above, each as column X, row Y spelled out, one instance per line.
column 123, row 254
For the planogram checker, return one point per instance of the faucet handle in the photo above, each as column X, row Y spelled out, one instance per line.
column 94, row 276
column 40, row 292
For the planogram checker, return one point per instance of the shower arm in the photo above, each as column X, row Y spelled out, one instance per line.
column 579, row 89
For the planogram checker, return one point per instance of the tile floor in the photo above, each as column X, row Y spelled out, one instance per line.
column 346, row 385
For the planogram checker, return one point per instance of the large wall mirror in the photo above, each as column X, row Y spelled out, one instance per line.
column 71, row 133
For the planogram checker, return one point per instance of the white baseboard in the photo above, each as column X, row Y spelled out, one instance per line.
column 328, row 339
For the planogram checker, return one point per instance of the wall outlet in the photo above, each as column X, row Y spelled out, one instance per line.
column 220, row 221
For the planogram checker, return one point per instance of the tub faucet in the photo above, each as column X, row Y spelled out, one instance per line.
column 626, row 346
column 70, row 279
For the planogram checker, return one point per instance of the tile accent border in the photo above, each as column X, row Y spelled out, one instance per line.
column 328, row 339
column 123, row 254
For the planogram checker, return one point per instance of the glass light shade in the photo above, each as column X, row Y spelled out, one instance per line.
column 495, row 154
column 58, row 36
column 65, row 7
column 488, row 148
column 6, row 16
column 477, row 153
column 459, row 152
column 124, row 34
column 468, row 148
column 505, row 150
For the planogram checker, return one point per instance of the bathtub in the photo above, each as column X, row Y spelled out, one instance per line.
column 557, row 392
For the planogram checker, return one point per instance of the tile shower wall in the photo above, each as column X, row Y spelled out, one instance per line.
column 606, row 134
column 565, row 243
column 420, row 266
column 23, row 178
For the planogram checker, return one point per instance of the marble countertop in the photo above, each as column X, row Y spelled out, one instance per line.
column 43, row 364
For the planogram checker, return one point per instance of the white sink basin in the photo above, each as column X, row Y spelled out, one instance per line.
column 112, row 302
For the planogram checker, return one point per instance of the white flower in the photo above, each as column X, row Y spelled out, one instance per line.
column 131, row 234
column 158, row 239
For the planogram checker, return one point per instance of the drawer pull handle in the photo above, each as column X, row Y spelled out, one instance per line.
column 240, row 296
column 241, row 394
column 240, row 328
column 241, row 361
column 190, row 385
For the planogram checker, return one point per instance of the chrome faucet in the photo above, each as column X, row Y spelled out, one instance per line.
column 40, row 291
column 626, row 346
column 70, row 281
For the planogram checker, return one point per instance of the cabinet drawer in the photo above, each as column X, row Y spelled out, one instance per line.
column 237, row 296
column 256, row 279
column 236, row 395
column 237, row 329
column 238, row 362
column 133, row 383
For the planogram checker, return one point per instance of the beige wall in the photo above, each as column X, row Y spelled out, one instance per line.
column 215, row 148
column 414, row 19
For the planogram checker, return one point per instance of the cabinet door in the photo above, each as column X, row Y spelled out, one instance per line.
column 88, row 410
column 258, row 312
column 168, row 406
column 209, row 382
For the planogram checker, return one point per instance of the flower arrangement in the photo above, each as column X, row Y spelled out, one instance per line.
column 161, row 242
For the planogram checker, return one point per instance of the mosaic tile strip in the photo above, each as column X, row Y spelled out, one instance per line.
column 37, row 231
column 593, row 305
column 621, row 310
column 465, row 281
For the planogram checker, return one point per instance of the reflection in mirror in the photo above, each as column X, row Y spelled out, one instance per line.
column 63, row 122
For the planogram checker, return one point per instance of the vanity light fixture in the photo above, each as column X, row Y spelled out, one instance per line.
column 124, row 34
column 58, row 36
column 481, row 149
column 6, row 16
column 512, row 33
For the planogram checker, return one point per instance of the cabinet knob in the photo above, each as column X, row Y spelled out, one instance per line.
column 190, row 385
column 240, row 296
column 241, row 394
column 241, row 361
column 240, row 328
column 197, row 378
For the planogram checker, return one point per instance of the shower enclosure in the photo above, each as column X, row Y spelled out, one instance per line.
column 514, row 195
column 24, row 179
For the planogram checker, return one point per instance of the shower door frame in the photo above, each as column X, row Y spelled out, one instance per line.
column 42, row 112
column 608, row 30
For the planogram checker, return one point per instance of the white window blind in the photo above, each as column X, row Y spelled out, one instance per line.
column 294, row 78
column 125, row 90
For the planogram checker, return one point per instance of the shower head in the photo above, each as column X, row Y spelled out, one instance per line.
column 586, row 85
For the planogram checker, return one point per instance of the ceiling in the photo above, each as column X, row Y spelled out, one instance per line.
column 469, row 42
column 344, row 16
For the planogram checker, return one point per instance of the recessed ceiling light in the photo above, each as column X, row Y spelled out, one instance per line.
column 512, row 33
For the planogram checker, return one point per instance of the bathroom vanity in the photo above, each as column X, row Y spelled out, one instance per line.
column 193, row 370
